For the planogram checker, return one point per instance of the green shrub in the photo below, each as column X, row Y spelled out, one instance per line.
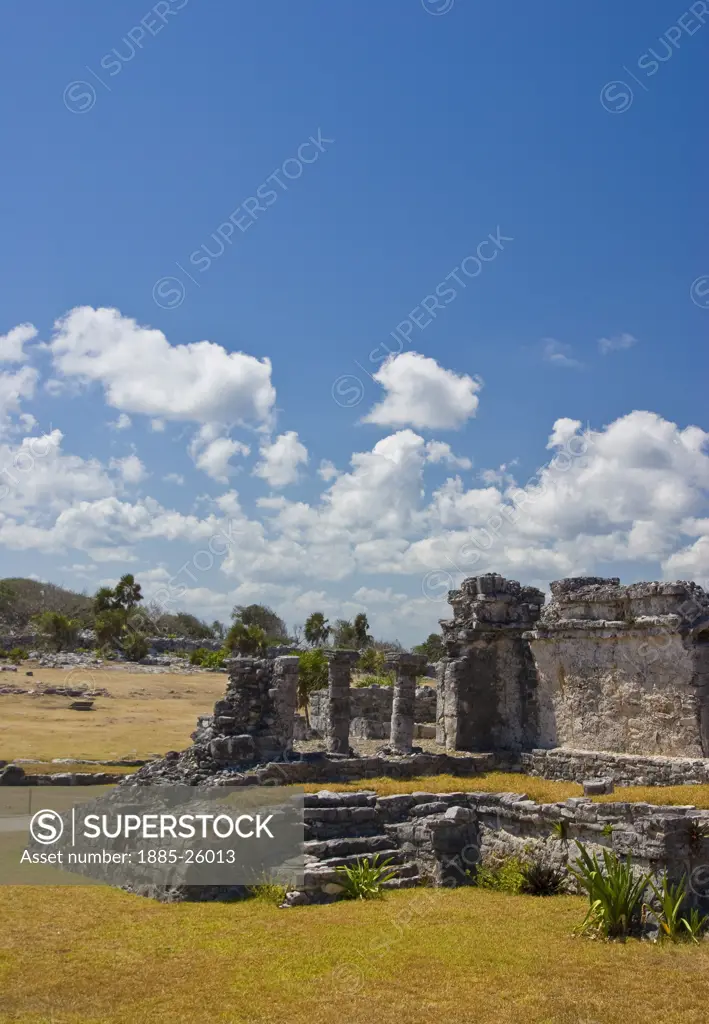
column 135, row 646
column 4, row 654
column 372, row 661
column 18, row 654
column 504, row 877
column 58, row 632
column 615, row 893
column 312, row 675
column 386, row 679
column 205, row 658
column 365, row 881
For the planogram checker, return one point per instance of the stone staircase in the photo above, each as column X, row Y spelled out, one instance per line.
column 342, row 829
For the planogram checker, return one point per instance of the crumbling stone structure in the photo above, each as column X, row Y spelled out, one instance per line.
column 337, row 734
column 408, row 666
column 254, row 720
column 370, row 710
column 487, row 691
column 624, row 668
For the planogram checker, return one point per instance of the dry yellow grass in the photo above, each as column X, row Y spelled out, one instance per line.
column 544, row 791
column 146, row 713
column 99, row 956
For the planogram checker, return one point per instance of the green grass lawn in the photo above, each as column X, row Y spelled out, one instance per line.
column 99, row 956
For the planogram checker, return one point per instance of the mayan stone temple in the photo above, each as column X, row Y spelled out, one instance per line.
column 487, row 689
column 602, row 667
column 624, row 668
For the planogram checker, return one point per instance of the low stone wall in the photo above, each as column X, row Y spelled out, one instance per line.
column 370, row 710
column 14, row 775
column 440, row 838
column 624, row 769
column 169, row 644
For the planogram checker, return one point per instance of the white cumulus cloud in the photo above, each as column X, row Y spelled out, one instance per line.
column 141, row 372
column 280, row 460
column 422, row 394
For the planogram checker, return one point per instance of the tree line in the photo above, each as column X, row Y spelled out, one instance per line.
column 123, row 623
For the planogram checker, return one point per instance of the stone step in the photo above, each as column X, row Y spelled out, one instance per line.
column 405, row 882
column 317, row 877
column 325, row 848
column 395, row 857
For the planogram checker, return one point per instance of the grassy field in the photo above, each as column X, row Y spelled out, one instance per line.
column 544, row 791
column 145, row 714
column 99, row 956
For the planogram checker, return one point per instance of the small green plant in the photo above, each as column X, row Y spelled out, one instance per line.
column 542, row 879
column 697, row 831
column 560, row 830
column 365, row 881
column 504, row 877
column 4, row 654
column 607, row 830
column 18, row 654
column 268, row 891
column 615, row 893
column 670, row 900
column 696, row 924
column 669, row 913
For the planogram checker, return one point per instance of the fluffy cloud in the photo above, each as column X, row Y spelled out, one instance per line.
column 12, row 343
column 422, row 394
column 141, row 372
column 122, row 423
column 280, row 460
column 212, row 454
column 559, row 354
column 130, row 469
column 636, row 491
column 616, row 343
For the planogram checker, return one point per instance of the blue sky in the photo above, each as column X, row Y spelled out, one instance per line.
column 134, row 133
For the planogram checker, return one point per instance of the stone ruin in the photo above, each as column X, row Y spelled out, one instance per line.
column 602, row 667
column 624, row 668
column 370, row 711
column 254, row 720
column 601, row 672
column 487, row 689
column 619, row 671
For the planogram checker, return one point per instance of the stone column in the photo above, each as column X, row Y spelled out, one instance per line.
column 408, row 666
column 284, row 694
column 337, row 732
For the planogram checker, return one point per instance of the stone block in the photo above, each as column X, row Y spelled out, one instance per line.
column 598, row 787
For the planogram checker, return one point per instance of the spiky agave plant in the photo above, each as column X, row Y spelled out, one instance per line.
column 675, row 921
column 365, row 881
column 614, row 891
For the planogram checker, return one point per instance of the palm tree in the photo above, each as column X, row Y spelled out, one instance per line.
column 127, row 592
column 317, row 630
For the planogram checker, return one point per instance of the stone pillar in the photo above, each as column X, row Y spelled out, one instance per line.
column 337, row 733
column 408, row 666
column 284, row 695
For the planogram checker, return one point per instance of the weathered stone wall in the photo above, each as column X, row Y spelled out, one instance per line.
column 444, row 836
column 624, row 668
column 254, row 720
column 624, row 769
column 370, row 708
column 487, row 697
